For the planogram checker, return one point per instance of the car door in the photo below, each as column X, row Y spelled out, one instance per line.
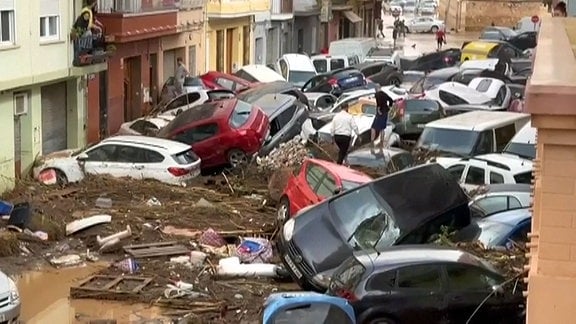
column 182, row 101
column 150, row 165
column 474, row 177
column 204, row 141
column 302, row 191
column 469, row 286
column 312, row 83
column 101, row 160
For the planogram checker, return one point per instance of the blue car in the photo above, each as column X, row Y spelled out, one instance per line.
column 499, row 230
column 307, row 308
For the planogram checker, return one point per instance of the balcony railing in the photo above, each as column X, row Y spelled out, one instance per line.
column 138, row 6
column 281, row 7
column 191, row 4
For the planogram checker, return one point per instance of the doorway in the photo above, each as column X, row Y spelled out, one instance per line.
column 103, row 92
column 300, row 40
column 132, row 81
column 258, row 49
column 17, row 147
column 154, row 78
column 229, row 49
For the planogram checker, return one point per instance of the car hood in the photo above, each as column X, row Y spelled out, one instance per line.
column 315, row 222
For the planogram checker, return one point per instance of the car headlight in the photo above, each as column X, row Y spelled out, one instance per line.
column 14, row 295
column 288, row 229
column 321, row 280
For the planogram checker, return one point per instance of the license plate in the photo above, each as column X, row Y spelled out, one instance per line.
column 420, row 125
column 293, row 267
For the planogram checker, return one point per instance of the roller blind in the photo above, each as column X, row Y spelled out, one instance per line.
column 6, row 4
column 49, row 7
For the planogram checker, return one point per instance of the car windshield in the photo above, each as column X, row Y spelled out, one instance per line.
column 299, row 78
column 365, row 220
column 490, row 35
column 524, row 150
column 347, row 185
column 367, row 160
column 488, row 233
column 415, row 105
column 193, row 82
column 241, row 114
column 508, row 32
column 454, row 141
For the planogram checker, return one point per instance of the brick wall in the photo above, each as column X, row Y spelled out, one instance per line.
column 480, row 14
column 448, row 10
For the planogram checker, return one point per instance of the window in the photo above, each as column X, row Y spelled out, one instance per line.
column 400, row 162
column 144, row 127
column 485, row 142
column 353, row 60
column 475, row 176
column 185, row 157
column 241, row 114
column 314, row 175
column 225, row 83
column 321, row 66
column 197, row 134
column 182, row 101
column 500, row 96
column 496, row 178
column 491, row 205
column 7, row 28
column 286, row 116
column 525, row 177
column 484, row 85
column 420, row 277
column 504, row 135
column 327, row 187
column 451, row 99
column 456, row 171
column 337, row 64
column 50, row 28
column 219, row 95
column 371, row 70
column 462, row 277
column 130, row 154
column 382, row 282
column 325, row 102
column 513, row 202
column 103, row 153
column 283, row 68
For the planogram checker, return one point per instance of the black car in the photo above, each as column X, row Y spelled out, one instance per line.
column 406, row 207
column 522, row 41
column 426, row 284
column 382, row 73
column 433, row 79
column 432, row 61
column 336, row 82
column 286, row 115
column 282, row 87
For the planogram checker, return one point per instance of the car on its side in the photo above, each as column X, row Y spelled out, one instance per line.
column 224, row 132
column 375, row 215
column 286, row 115
column 426, row 284
column 295, row 68
column 423, row 25
column 258, row 73
column 169, row 92
column 431, row 62
column 411, row 115
column 387, row 161
column 220, row 80
column 137, row 157
column 496, row 198
column 282, row 87
column 454, row 93
column 382, row 73
column 336, row 82
column 314, row 181
column 504, row 229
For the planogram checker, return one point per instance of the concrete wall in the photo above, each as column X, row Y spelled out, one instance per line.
column 261, row 25
column 236, row 24
column 310, row 26
column 451, row 11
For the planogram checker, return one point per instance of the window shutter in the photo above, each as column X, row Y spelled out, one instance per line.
column 49, row 7
column 6, row 4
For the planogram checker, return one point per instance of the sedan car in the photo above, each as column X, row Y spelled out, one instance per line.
column 411, row 115
column 225, row 132
column 503, row 229
column 388, row 161
column 286, row 115
column 336, row 82
column 283, row 87
column 314, row 181
column 423, row 25
column 374, row 215
column 219, row 80
column 137, row 157
column 499, row 198
column 426, row 284
column 190, row 84
column 382, row 73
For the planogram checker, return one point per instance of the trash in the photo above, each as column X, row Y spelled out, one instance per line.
column 110, row 245
column 103, row 202
column 128, row 265
column 90, row 256
column 211, row 238
column 174, row 292
column 66, row 260
column 84, row 223
column 204, row 203
column 238, row 296
column 14, row 228
column 171, row 230
column 254, row 250
column 41, row 235
column 6, row 207
column 183, row 285
column 114, row 237
column 197, row 258
column 231, row 267
column 183, row 260
column 287, row 154
column 21, row 215
column 153, row 202
column 222, row 252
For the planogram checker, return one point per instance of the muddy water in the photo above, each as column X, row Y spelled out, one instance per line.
column 44, row 297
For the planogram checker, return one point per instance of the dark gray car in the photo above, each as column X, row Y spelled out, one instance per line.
column 286, row 114
column 388, row 161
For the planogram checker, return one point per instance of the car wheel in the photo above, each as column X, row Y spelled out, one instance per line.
column 382, row 320
column 434, row 29
column 237, row 158
column 61, row 178
column 283, row 212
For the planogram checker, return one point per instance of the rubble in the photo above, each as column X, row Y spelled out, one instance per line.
column 288, row 154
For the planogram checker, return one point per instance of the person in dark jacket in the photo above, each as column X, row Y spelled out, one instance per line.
column 383, row 103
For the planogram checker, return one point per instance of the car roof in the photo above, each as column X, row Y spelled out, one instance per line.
column 494, row 85
column 477, row 120
column 514, row 163
column 508, row 187
column 509, row 217
column 327, row 56
column 462, row 90
column 366, row 64
column 298, row 61
column 211, row 110
column 484, row 45
column 343, row 172
column 273, row 102
column 171, row 147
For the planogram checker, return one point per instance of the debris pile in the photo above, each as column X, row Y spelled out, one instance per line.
column 287, row 154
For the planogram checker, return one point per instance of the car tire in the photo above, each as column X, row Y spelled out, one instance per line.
column 237, row 157
column 61, row 178
column 434, row 29
column 283, row 211
column 394, row 79
column 381, row 320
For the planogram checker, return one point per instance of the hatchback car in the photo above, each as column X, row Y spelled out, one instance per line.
column 426, row 284
column 190, row 84
column 219, row 80
column 411, row 115
column 225, row 132
column 336, row 82
column 282, row 87
column 377, row 214
column 286, row 115
column 314, row 181
column 499, row 198
column 432, row 61
column 388, row 161
column 137, row 157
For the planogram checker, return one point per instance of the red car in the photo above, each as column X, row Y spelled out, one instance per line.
column 315, row 181
column 219, row 80
column 223, row 132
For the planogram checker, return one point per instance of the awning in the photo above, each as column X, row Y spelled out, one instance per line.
column 350, row 15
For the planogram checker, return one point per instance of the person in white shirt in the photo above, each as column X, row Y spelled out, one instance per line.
column 343, row 127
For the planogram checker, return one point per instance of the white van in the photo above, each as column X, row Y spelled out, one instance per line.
column 296, row 68
column 258, row 73
column 360, row 46
column 472, row 133
column 523, row 143
column 325, row 62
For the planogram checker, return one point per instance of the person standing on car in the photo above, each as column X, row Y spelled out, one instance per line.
column 440, row 38
column 383, row 103
column 380, row 32
column 343, row 128
column 180, row 77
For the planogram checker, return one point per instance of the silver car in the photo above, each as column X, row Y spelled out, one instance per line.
column 423, row 25
column 9, row 300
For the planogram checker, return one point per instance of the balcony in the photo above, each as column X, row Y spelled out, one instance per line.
column 281, row 9
column 133, row 20
column 236, row 8
column 306, row 7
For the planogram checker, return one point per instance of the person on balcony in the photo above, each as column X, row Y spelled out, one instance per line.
column 86, row 24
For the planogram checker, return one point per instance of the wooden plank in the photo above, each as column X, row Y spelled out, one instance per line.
column 146, row 282
column 112, row 283
column 156, row 249
column 159, row 253
column 146, row 245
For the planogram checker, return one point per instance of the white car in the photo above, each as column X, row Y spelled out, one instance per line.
column 148, row 126
column 137, row 157
column 423, row 25
column 320, row 100
column 258, row 73
column 494, row 168
column 10, row 307
column 455, row 93
column 499, row 198
column 499, row 93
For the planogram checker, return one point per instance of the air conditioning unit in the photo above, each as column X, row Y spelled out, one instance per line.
column 20, row 104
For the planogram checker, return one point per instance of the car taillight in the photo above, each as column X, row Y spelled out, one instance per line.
column 178, row 172
column 346, row 294
column 333, row 82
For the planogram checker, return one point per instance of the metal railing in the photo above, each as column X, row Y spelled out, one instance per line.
column 281, row 6
column 191, row 4
column 139, row 6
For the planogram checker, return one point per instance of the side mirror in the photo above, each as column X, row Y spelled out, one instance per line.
column 337, row 190
column 82, row 157
column 498, row 290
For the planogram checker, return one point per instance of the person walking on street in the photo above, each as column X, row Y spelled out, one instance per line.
column 403, row 28
column 383, row 103
column 440, row 38
column 380, row 32
column 343, row 128
column 180, row 77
